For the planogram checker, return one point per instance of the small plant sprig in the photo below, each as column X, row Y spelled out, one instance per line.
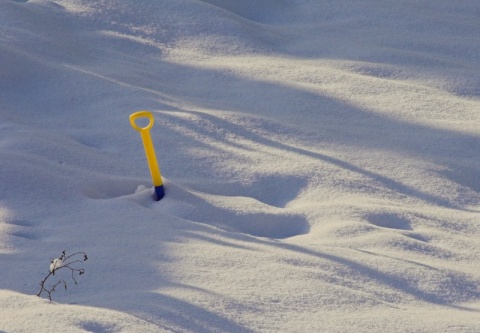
column 60, row 263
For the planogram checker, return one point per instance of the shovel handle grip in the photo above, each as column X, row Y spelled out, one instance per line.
column 142, row 114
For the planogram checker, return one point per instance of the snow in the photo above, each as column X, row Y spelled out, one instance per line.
column 56, row 264
column 320, row 163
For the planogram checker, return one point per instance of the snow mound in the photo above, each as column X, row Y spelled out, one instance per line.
column 63, row 318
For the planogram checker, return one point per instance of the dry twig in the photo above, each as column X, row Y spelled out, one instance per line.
column 57, row 264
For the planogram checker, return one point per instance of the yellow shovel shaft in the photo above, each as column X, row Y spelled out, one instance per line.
column 149, row 150
column 151, row 158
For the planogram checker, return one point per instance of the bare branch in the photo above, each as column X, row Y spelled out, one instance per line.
column 61, row 263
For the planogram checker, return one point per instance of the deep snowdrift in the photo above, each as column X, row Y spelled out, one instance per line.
column 321, row 165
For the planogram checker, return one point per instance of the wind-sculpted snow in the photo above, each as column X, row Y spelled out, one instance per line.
column 320, row 162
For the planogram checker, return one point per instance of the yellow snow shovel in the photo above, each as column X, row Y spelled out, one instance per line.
column 149, row 150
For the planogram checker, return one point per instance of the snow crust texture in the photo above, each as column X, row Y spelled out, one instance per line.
column 321, row 163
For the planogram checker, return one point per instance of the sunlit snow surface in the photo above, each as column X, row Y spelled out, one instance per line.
column 321, row 162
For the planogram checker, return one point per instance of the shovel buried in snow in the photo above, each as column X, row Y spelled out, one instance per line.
column 149, row 150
